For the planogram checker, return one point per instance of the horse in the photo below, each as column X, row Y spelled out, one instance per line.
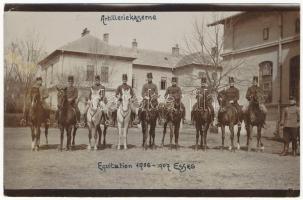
column 201, row 114
column 94, row 118
column 172, row 114
column 37, row 116
column 254, row 117
column 66, row 116
column 229, row 116
column 149, row 117
column 123, row 117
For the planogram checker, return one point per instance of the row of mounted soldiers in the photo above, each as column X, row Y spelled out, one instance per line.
column 149, row 90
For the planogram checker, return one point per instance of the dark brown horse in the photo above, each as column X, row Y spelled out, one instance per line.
column 37, row 116
column 254, row 117
column 66, row 119
column 228, row 116
column 201, row 115
column 171, row 113
column 148, row 116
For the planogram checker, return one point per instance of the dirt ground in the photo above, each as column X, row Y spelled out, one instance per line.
column 213, row 169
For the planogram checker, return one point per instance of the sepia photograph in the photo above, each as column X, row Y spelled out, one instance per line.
column 151, row 100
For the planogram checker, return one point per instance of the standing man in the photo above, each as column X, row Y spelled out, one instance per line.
column 175, row 91
column 290, row 122
column 232, row 97
column 72, row 95
column 149, row 90
column 204, row 91
column 125, row 86
column 255, row 91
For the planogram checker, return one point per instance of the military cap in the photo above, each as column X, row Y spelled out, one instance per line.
column 124, row 76
column 70, row 78
column 149, row 75
column 255, row 78
column 203, row 80
column 174, row 79
column 97, row 77
column 231, row 79
column 39, row 78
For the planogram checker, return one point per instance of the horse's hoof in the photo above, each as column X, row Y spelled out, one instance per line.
column 262, row 148
column 95, row 148
column 118, row 148
column 125, row 148
column 238, row 146
column 222, row 148
column 230, row 148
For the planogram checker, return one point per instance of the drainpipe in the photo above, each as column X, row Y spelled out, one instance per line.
column 280, row 68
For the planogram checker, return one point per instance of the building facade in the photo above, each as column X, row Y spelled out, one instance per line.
column 267, row 45
column 88, row 56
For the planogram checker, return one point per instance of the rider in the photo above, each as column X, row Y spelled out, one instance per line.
column 254, row 91
column 98, row 87
column 232, row 97
column 125, row 86
column 38, row 88
column 203, row 90
column 72, row 95
column 175, row 91
column 149, row 90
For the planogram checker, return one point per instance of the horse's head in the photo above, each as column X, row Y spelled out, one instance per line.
column 35, row 101
column 61, row 96
column 95, row 99
column 125, row 99
column 221, row 98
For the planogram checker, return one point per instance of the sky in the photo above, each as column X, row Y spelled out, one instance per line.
column 58, row 28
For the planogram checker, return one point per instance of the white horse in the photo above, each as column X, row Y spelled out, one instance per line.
column 94, row 115
column 123, row 117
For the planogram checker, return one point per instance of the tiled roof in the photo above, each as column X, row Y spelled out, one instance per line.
column 156, row 58
column 194, row 58
column 93, row 45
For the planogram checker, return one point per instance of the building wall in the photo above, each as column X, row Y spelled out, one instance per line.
column 140, row 72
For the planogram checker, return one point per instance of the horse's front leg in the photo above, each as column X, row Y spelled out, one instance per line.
column 238, row 137
column 104, row 135
column 46, row 134
column 232, row 134
column 153, row 133
column 96, row 133
column 61, row 138
column 249, row 132
column 176, row 133
column 197, row 135
column 206, row 127
column 223, row 135
column 259, row 130
column 171, row 128
column 99, row 136
column 164, row 132
column 125, row 129
column 33, row 137
column 38, row 133
column 69, row 138
column 74, row 135
column 89, row 146
column 119, row 136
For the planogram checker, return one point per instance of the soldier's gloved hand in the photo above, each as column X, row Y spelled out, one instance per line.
column 146, row 97
column 231, row 101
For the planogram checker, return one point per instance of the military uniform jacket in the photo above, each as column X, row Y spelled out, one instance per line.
column 42, row 91
column 72, row 94
column 96, row 88
column 232, row 93
column 291, row 116
column 125, row 87
column 174, row 91
column 153, row 89
column 253, row 91
column 204, row 91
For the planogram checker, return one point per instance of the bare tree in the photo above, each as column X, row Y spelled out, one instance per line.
column 205, row 45
column 21, row 59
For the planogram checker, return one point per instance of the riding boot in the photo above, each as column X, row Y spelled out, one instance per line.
column 285, row 150
column 137, row 118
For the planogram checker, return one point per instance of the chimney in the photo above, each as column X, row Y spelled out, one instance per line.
column 134, row 44
column 175, row 50
column 84, row 32
column 106, row 37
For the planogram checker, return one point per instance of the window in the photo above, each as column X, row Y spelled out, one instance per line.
column 134, row 81
column 297, row 26
column 266, row 80
column 201, row 74
column 163, row 83
column 104, row 74
column 265, row 33
column 52, row 74
column 89, row 72
column 294, row 77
